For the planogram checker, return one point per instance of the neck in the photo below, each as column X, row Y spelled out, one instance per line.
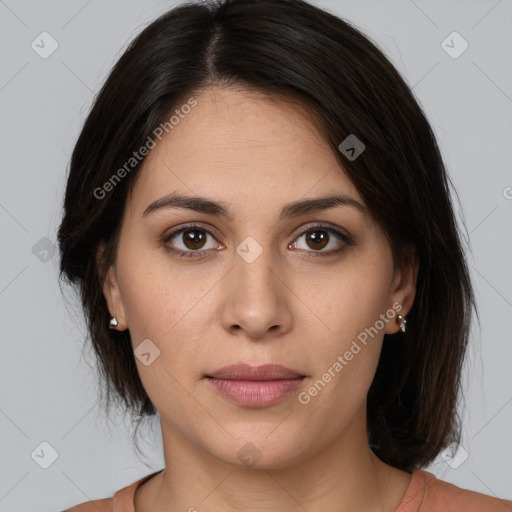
column 343, row 476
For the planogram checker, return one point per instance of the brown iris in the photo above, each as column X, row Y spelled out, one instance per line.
column 194, row 237
column 318, row 237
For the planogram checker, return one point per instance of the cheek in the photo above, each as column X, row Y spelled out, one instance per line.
column 351, row 299
column 154, row 294
column 344, row 368
column 346, row 355
column 164, row 306
column 149, row 306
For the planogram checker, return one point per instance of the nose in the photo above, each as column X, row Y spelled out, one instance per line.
column 256, row 298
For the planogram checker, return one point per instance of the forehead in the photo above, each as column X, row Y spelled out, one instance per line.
column 243, row 148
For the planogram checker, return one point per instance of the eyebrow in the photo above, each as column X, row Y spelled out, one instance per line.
column 221, row 209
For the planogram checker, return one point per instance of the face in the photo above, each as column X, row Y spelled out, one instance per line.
column 264, row 282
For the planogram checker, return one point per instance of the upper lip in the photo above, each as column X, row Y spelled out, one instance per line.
column 243, row 371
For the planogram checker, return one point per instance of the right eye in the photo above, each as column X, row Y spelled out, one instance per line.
column 192, row 238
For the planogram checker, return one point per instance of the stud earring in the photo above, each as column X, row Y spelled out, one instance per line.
column 113, row 322
column 401, row 322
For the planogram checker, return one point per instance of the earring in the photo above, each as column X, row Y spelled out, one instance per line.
column 401, row 322
column 113, row 322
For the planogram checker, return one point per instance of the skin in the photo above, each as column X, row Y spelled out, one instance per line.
column 203, row 313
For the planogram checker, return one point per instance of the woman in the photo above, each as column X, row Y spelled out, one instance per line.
column 258, row 220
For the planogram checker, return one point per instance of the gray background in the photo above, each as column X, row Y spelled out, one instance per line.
column 47, row 385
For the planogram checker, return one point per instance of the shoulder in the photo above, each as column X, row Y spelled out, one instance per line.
column 105, row 505
column 445, row 496
column 440, row 495
column 122, row 500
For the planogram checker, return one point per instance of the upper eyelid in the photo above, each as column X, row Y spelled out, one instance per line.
column 173, row 233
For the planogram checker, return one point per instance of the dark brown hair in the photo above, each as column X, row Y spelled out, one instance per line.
column 289, row 49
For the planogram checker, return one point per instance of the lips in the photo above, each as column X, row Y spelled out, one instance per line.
column 255, row 373
column 255, row 386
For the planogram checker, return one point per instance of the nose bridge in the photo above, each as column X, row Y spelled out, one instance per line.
column 255, row 268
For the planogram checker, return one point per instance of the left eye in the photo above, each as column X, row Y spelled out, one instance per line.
column 318, row 238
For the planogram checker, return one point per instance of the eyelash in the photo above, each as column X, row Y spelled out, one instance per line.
column 345, row 239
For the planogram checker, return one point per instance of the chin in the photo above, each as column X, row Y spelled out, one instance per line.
column 255, row 451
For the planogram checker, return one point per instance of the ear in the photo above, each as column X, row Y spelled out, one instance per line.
column 403, row 287
column 112, row 293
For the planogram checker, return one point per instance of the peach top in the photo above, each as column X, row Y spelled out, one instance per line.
column 425, row 493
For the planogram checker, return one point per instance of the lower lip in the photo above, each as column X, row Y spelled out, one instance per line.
column 255, row 393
